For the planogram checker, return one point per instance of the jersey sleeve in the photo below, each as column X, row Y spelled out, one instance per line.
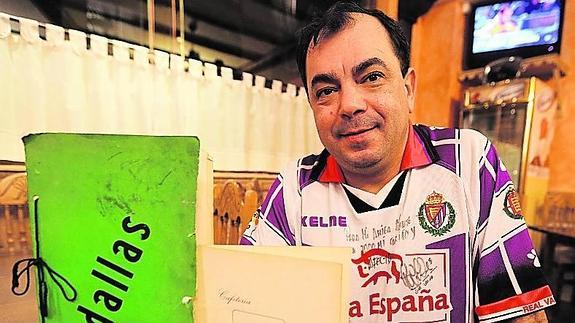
column 269, row 225
column 509, row 278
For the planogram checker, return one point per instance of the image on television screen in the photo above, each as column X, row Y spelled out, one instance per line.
column 516, row 24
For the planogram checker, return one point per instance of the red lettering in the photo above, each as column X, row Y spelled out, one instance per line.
column 390, row 306
column 429, row 300
column 392, row 309
column 409, row 304
column 441, row 302
column 532, row 307
column 537, row 305
column 395, row 272
column 374, row 301
column 355, row 309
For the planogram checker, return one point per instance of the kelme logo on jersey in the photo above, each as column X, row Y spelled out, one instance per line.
column 436, row 216
column 511, row 204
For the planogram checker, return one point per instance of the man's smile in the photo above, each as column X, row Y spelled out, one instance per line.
column 356, row 132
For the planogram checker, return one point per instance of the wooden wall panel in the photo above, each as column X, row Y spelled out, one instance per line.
column 390, row 7
column 562, row 157
column 437, row 51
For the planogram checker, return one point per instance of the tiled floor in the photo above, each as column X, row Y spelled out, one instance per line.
column 15, row 309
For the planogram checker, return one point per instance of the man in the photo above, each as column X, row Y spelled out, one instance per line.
column 430, row 214
column 503, row 21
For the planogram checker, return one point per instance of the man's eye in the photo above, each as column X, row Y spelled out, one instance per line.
column 373, row 77
column 324, row 92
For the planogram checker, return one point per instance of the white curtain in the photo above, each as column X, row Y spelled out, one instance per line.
column 57, row 85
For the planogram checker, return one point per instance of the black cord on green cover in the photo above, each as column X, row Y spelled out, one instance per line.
column 42, row 266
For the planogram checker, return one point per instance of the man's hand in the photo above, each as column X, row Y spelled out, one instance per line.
column 537, row 317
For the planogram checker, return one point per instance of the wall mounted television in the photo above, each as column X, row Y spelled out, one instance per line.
column 501, row 28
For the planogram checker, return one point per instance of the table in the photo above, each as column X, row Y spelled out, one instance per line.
column 553, row 235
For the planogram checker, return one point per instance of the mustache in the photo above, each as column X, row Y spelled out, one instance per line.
column 354, row 125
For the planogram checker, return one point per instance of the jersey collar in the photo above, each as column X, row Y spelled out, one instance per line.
column 418, row 152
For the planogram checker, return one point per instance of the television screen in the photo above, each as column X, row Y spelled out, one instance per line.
column 513, row 24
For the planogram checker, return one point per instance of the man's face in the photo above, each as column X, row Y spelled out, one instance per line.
column 361, row 102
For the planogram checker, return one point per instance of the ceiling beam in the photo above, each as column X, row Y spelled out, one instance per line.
column 53, row 10
column 195, row 39
column 276, row 56
column 191, row 13
column 243, row 24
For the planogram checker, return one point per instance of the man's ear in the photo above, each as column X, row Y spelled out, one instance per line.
column 409, row 82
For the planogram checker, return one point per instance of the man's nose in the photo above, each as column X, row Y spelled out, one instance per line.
column 351, row 102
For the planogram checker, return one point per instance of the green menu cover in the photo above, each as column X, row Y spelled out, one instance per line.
column 116, row 219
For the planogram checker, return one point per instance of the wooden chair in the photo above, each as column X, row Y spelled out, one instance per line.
column 236, row 198
column 228, row 201
column 217, row 209
column 14, row 219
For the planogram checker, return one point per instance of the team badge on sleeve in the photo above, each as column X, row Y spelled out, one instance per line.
column 511, row 205
column 252, row 225
column 436, row 216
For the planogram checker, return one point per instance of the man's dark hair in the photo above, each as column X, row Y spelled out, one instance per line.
column 338, row 17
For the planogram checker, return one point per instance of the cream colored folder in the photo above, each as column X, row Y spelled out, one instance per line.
column 241, row 284
column 204, row 229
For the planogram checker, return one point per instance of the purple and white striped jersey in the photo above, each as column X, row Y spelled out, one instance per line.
column 444, row 241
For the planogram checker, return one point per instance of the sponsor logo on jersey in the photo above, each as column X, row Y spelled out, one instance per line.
column 252, row 225
column 324, row 221
column 378, row 263
column 430, row 304
column 536, row 306
column 533, row 256
column 436, row 216
column 256, row 218
column 511, row 205
column 420, row 290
